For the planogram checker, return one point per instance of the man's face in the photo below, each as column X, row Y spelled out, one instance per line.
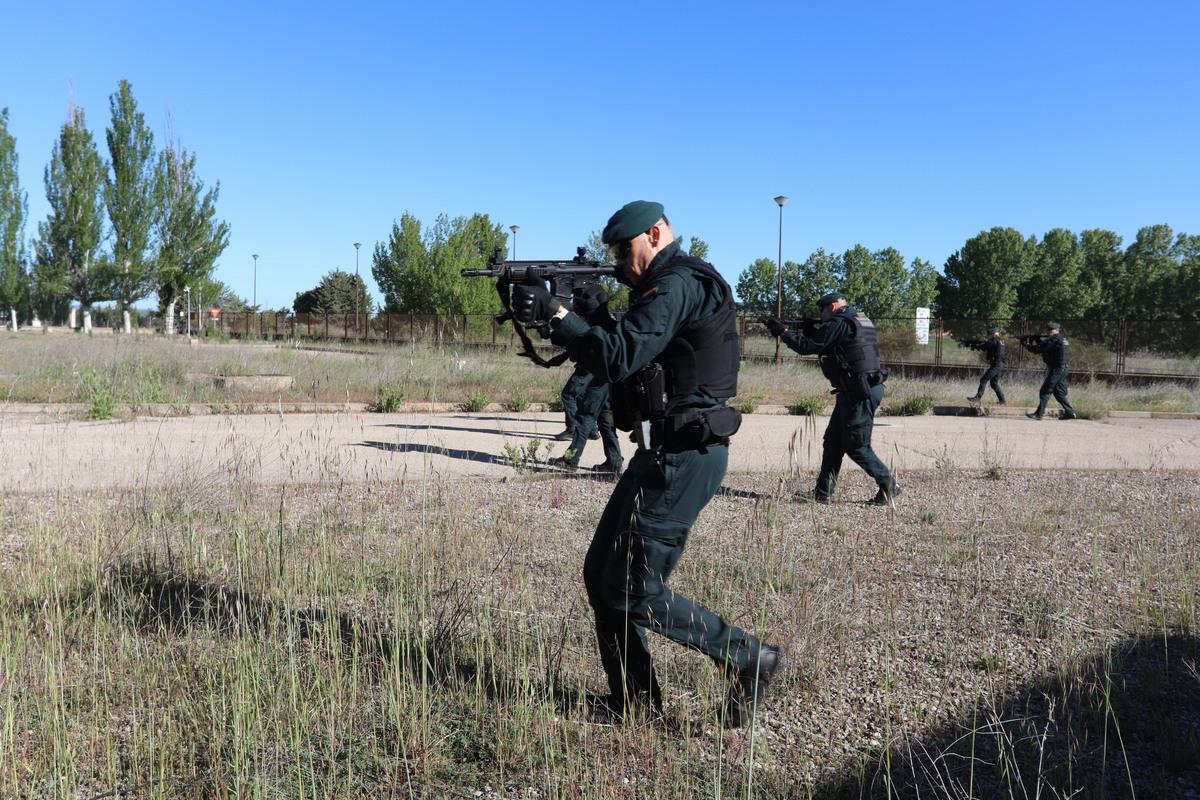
column 827, row 312
column 633, row 256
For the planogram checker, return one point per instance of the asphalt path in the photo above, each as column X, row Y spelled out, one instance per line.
column 321, row 447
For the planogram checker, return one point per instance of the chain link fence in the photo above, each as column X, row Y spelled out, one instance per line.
column 1150, row 349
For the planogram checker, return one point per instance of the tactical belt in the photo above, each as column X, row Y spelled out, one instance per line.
column 690, row 429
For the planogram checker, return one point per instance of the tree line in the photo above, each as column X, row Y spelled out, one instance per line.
column 120, row 229
column 998, row 274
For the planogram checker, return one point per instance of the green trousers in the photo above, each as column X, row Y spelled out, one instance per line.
column 1055, row 384
column 636, row 547
column 592, row 413
column 992, row 378
column 849, row 434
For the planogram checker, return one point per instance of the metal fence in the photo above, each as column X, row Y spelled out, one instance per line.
column 1149, row 349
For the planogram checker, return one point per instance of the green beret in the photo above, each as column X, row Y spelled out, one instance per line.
column 1053, row 326
column 993, row 330
column 633, row 218
column 830, row 299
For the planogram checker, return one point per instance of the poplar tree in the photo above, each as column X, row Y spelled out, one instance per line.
column 419, row 272
column 189, row 236
column 14, row 208
column 70, row 265
column 129, row 194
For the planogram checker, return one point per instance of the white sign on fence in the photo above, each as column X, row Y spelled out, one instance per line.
column 922, row 326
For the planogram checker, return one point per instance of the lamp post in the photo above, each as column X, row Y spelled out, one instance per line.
column 356, row 292
column 188, row 312
column 254, row 296
column 779, row 281
column 514, row 229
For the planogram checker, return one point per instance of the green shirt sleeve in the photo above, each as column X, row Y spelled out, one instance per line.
column 665, row 303
column 834, row 331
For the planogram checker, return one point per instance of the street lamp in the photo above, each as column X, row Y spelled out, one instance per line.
column 254, row 297
column 356, row 246
column 779, row 282
column 514, row 229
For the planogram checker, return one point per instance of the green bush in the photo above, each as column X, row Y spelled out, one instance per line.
column 808, row 405
column 910, row 407
column 520, row 401
column 477, row 401
column 388, row 400
column 746, row 405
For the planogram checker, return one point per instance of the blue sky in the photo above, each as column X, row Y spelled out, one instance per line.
column 912, row 125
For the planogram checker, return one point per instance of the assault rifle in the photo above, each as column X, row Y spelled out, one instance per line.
column 805, row 325
column 1030, row 340
column 563, row 276
column 974, row 344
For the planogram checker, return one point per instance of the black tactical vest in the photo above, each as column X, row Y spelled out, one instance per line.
column 1056, row 351
column 856, row 355
column 995, row 351
column 704, row 356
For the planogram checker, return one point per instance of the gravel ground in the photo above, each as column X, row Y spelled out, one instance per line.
column 1002, row 631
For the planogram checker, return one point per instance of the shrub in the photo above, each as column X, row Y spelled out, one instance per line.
column 388, row 400
column 808, row 405
column 746, row 405
column 477, row 401
column 911, row 407
column 520, row 401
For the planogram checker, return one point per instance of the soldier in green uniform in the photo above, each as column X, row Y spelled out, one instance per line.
column 590, row 412
column 672, row 361
column 993, row 350
column 572, row 392
column 1055, row 352
column 849, row 357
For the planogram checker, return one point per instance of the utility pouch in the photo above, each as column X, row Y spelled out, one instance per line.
column 641, row 396
column 859, row 386
column 878, row 378
column 722, row 422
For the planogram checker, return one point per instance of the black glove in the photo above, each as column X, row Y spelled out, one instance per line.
column 532, row 303
column 775, row 326
column 586, row 300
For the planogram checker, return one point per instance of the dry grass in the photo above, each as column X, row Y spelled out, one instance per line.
column 1001, row 633
column 989, row 638
column 102, row 370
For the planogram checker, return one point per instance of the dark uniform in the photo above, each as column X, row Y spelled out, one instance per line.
column 993, row 350
column 1055, row 351
column 849, row 357
column 590, row 412
column 673, row 361
column 572, row 391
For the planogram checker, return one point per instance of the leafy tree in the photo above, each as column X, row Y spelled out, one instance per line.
column 420, row 272
column 698, row 248
column 804, row 284
column 1104, row 260
column 217, row 294
column 757, row 287
column 14, row 208
column 981, row 279
column 921, row 289
column 335, row 294
column 1153, row 262
column 1188, row 294
column 875, row 282
column 1059, row 285
column 190, row 238
column 129, row 194
column 69, row 260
